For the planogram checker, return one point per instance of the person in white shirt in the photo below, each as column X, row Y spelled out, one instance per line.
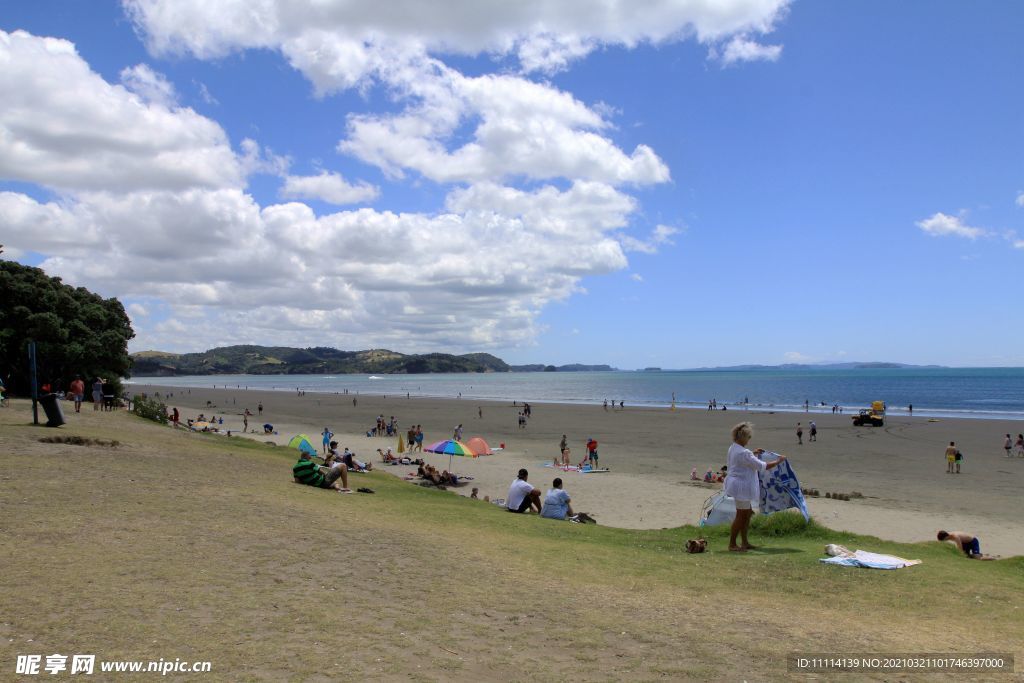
column 556, row 502
column 521, row 495
column 742, row 482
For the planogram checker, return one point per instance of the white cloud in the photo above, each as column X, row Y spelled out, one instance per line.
column 151, row 86
column 521, row 128
column 797, row 357
column 637, row 277
column 743, row 49
column 63, row 126
column 205, row 95
column 941, row 224
column 474, row 276
column 328, row 187
column 660, row 236
column 1020, row 199
column 544, row 34
column 1018, row 244
column 137, row 310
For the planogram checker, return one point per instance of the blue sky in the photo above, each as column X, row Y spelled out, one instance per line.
column 753, row 182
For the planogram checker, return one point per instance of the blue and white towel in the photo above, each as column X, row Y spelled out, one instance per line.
column 780, row 489
column 863, row 558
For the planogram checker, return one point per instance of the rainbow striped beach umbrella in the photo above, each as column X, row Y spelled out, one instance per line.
column 450, row 447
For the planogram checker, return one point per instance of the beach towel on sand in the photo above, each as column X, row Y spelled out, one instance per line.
column 780, row 489
column 863, row 558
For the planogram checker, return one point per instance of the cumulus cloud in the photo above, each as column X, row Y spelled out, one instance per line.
column 151, row 86
column 544, row 34
column 521, row 129
column 281, row 274
column 328, row 187
column 137, row 310
column 743, row 49
column 63, row 126
column 941, row 224
column 151, row 202
column 659, row 237
column 1020, row 199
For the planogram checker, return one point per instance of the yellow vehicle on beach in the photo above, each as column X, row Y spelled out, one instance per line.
column 875, row 417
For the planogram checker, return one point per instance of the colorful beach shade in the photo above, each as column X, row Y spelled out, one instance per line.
column 451, row 447
column 302, row 443
column 479, row 446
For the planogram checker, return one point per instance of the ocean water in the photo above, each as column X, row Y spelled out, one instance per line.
column 940, row 392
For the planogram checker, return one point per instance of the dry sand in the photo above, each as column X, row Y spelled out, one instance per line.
column 900, row 469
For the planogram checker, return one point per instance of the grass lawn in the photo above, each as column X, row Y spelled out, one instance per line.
column 176, row 545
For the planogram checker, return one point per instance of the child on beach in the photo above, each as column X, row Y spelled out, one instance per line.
column 950, row 457
column 966, row 542
column 1019, row 449
column 1007, row 445
column 799, row 434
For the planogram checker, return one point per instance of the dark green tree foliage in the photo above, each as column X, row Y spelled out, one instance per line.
column 76, row 332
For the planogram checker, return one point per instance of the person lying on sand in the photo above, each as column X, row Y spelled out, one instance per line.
column 307, row 472
column 969, row 544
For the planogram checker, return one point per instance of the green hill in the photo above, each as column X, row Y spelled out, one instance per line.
column 284, row 360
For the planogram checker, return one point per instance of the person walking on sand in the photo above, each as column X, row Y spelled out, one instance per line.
column 97, row 393
column 1007, row 445
column 958, row 459
column 950, row 457
column 77, row 389
column 1019, row 446
column 799, row 434
column 260, row 407
column 741, row 482
column 814, row 432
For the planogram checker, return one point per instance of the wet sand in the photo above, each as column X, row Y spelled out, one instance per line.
column 900, row 468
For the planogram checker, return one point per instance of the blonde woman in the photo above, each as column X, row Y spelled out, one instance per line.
column 741, row 483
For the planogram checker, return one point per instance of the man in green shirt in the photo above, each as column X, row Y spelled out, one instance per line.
column 307, row 472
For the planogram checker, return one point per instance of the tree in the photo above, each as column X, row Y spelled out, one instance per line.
column 76, row 331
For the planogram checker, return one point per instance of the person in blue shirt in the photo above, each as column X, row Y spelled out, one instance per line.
column 556, row 502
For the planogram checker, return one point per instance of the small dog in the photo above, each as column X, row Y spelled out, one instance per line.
column 696, row 545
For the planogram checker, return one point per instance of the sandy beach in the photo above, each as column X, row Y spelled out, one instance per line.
column 900, row 469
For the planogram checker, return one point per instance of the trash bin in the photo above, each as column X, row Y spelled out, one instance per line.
column 54, row 413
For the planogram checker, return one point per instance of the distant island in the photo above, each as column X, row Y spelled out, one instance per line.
column 852, row 365
column 285, row 360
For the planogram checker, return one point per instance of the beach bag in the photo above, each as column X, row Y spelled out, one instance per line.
column 696, row 545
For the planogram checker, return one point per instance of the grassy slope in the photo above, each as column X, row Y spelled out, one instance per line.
column 199, row 547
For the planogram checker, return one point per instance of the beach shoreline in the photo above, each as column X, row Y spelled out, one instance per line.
column 899, row 469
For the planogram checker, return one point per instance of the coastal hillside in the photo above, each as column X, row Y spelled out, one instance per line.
column 286, row 360
column 283, row 360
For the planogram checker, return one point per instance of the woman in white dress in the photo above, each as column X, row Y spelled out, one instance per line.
column 741, row 483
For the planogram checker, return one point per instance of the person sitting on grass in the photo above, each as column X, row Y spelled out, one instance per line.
column 556, row 502
column 307, row 472
column 522, row 496
column 967, row 543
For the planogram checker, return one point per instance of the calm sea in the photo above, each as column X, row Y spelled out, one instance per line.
column 941, row 392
